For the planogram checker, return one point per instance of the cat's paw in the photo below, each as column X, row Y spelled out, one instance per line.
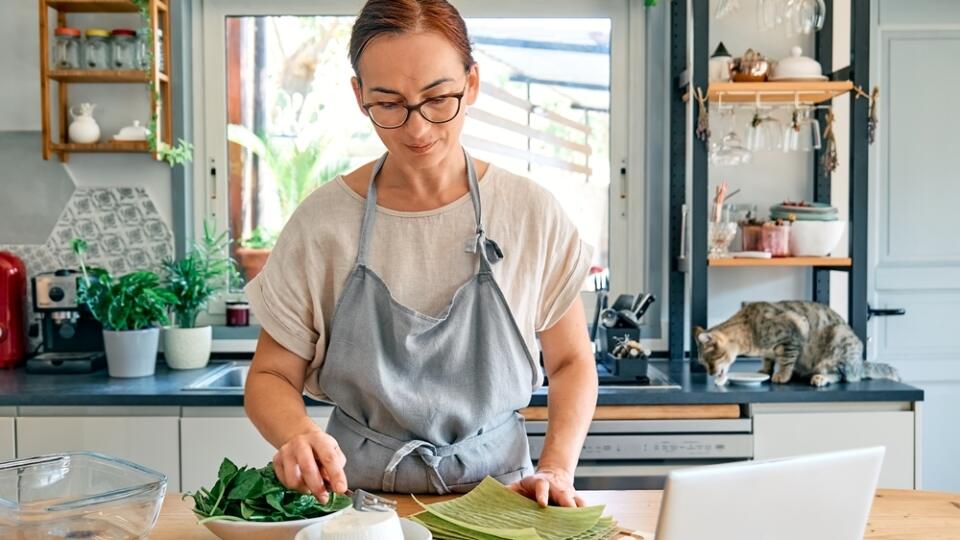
column 819, row 380
column 720, row 380
column 781, row 377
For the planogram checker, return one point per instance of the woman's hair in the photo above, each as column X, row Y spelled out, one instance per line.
column 397, row 17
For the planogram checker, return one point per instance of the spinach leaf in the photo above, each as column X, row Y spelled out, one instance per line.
column 256, row 495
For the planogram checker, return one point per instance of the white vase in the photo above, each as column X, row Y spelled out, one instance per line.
column 131, row 353
column 187, row 348
column 83, row 128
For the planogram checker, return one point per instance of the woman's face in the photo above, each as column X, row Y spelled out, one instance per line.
column 409, row 69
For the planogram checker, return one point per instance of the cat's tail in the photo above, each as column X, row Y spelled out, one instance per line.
column 876, row 370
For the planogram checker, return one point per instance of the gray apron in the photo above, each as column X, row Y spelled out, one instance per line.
column 427, row 404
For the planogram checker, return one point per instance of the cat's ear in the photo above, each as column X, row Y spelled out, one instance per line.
column 702, row 335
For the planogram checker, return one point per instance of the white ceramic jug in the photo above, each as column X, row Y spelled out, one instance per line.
column 83, row 129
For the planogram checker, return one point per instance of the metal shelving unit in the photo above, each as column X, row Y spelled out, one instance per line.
column 695, row 16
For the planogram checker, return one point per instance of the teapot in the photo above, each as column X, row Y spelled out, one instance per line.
column 83, row 129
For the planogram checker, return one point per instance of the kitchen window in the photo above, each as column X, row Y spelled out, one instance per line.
column 278, row 117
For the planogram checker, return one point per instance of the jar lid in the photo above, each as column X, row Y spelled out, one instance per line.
column 123, row 32
column 97, row 32
column 66, row 31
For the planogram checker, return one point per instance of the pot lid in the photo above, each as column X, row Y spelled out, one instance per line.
column 797, row 65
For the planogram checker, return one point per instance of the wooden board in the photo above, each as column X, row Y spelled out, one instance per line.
column 115, row 146
column 93, row 6
column 649, row 412
column 784, row 261
column 777, row 92
column 896, row 514
column 101, row 75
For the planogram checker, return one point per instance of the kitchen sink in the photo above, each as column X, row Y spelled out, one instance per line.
column 230, row 376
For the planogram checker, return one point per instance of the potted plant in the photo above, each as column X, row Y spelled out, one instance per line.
column 131, row 309
column 193, row 280
column 254, row 250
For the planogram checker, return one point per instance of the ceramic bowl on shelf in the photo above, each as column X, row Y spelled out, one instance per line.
column 815, row 238
column 797, row 67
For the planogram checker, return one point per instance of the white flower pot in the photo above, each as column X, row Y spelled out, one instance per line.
column 187, row 348
column 131, row 353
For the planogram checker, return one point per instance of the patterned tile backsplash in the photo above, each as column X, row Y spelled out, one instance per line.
column 122, row 227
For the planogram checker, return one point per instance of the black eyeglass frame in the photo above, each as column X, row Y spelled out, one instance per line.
column 418, row 106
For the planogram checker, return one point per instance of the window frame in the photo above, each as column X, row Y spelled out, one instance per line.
column 630, row 264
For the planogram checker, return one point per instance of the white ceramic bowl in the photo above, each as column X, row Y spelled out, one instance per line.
column 815, row 238
column 246, row 530
column 411, row 531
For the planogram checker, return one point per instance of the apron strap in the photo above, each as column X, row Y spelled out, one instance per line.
column 369, row 213
column 428, row 453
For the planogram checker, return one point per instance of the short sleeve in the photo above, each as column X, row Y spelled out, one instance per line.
column 567, row 260
column 280, row 296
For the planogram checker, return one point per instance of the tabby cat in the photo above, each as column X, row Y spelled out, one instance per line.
column 806, row 339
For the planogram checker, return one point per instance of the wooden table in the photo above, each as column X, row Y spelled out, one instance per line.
column 896, row 514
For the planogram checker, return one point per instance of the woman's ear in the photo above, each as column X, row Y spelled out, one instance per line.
column 358, row 93
column 473, row 84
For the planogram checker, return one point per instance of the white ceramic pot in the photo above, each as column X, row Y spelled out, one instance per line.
column 815, row 238
column 187, row 348
column 83, row 129
column 131, row 353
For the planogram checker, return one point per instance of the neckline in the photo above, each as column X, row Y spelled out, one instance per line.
column 463, row 199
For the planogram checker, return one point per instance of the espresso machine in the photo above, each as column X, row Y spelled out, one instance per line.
column 72, row 338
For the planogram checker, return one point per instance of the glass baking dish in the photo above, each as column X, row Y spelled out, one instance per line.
column 78, row 495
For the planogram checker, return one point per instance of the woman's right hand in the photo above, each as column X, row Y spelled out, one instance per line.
column 311, row 462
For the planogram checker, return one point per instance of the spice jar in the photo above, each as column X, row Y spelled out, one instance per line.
column 123, row 48
column 96, row 49
column 238, row 313
column 143, row 49
column 66, row 49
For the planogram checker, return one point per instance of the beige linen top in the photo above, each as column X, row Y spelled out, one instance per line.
column 422, row 258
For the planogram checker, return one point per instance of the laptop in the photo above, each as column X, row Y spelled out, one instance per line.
column 818, row 496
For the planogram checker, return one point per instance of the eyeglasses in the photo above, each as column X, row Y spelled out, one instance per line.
column 436, row 110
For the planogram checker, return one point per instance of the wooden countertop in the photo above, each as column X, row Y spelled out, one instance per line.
column 896, row 514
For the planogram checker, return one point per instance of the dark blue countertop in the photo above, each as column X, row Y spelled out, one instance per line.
column 18, row 388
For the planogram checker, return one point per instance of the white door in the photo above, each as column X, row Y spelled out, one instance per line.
column 915, row 198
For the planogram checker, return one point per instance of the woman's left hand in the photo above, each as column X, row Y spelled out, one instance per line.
column 549, row 485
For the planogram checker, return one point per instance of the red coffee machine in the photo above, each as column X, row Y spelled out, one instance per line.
column 13, row 294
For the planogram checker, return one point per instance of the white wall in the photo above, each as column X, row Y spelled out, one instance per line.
column 118, row 105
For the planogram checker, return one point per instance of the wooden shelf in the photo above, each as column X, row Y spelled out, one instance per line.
column 102, row 76
column 113, row 146
column 807, row 92
column 93, row 6
column 784, row 261
column 55, row 107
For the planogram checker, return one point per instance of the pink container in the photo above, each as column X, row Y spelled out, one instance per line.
column 769, row 237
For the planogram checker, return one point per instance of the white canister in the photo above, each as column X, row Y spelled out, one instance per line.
column 83, row 129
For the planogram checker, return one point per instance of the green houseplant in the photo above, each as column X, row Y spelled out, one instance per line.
column 131, row 309
column 193, row 280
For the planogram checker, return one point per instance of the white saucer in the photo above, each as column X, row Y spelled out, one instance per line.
column 411, row 531
column 747, row 378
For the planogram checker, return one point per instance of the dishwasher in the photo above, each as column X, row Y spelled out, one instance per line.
column 638, row 454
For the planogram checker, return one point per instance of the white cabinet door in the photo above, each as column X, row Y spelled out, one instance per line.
column 205, row 441
column 149, row 441
column 8, row 448
column 790, row 434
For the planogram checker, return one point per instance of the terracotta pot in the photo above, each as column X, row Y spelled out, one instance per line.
column 252, row 260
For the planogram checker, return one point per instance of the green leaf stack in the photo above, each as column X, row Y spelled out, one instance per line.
column 250, row 494
column 491, row 511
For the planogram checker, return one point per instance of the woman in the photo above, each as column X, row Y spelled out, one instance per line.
column 387, row 295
